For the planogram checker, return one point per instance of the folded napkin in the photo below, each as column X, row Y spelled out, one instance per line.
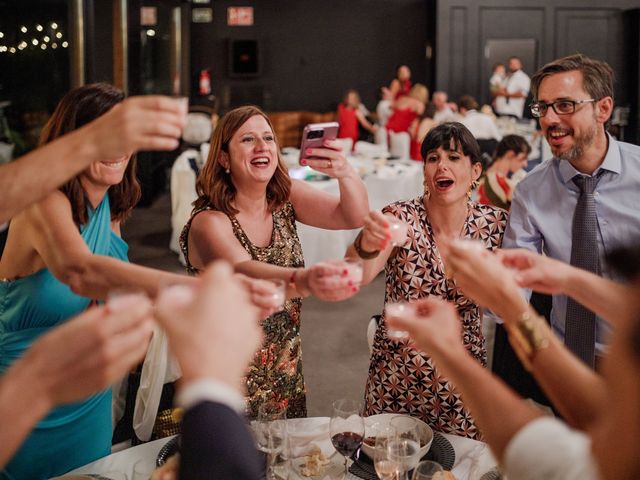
column 307, row 435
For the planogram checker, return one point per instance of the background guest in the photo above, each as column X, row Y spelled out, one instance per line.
column 502, row 175
column 510, row 99
column 351, row 117
column 444, row 112
column 401, row 378
column 496, row 82
column 406, row 112
column 246, row 214
column 481, row 125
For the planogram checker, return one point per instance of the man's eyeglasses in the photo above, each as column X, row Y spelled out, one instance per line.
column 561, row 107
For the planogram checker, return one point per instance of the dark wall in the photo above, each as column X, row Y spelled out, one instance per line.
column 312, row 51
column 559, row 28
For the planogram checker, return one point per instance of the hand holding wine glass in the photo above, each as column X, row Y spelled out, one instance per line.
column 346, row 428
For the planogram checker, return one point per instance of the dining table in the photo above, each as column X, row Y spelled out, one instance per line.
column 473, row 459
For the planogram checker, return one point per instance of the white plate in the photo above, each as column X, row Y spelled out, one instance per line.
column 375, row 422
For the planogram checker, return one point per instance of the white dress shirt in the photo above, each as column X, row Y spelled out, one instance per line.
column 481, row 125
column 517, row 82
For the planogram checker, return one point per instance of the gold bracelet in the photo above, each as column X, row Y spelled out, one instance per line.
column 528, row 336
column 363, row 254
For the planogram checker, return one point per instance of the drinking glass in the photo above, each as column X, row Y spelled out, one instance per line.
column 279, row 296
column 427, row 470
column 354, row 270
column 387, row 468
column 346, row 429
column 398, row 229
column 399, row 310
column 405, row 448
column 271, row 436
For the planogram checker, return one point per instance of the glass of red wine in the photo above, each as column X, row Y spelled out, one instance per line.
column 346, row 428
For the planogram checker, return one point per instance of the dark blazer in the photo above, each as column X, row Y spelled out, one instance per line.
column 216, row 444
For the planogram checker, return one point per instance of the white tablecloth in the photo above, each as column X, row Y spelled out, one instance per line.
column 473, row 458
column 398, row 180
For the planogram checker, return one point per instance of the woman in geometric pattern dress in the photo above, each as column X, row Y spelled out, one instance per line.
column 401, row 378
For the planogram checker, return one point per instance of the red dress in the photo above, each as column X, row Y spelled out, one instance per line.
column 401, row 120
column 405, row 87
column 348, row 123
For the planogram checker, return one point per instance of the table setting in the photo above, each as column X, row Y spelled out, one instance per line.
column 305, row 448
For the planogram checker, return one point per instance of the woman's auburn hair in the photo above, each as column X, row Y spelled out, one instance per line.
column 77, row 108
column 214, row 186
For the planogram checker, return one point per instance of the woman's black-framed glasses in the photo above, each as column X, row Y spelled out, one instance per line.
column 561, row 107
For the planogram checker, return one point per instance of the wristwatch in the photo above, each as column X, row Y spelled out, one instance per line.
column 363, row 254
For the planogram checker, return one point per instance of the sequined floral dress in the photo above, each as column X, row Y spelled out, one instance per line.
column 402, row 379
column 276, row 371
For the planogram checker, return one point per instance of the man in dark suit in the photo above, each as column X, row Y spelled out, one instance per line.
column 213, row 333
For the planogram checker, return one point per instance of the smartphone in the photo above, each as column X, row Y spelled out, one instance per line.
column 314, row 135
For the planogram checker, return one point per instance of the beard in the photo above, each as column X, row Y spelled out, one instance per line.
column 580, row 145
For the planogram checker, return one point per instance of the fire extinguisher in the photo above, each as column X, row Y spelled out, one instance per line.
column 204, row 83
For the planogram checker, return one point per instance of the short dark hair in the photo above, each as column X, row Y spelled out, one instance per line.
column 514, row 143
column 597, row 76
column 77, row 108
column 467, row 102
column 451, row 136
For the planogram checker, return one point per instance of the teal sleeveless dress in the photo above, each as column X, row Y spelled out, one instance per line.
column 74, row 434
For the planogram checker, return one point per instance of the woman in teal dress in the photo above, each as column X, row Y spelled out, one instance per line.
column 62, row 254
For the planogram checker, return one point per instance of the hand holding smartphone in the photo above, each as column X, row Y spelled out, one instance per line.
column 314, row 136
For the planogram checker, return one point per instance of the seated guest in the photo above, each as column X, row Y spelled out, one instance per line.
column 401, row 378
column 481, row 125
column 444, row 112
column 61, row 253
column 351, row 117
column 603, row 441
column 406, row 112
column 246, row 214
column 504, row 173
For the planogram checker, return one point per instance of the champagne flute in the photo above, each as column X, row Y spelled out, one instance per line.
column 271, row 433
column 427, row 470
column 346, row 429
column 386, row 467
column 407, row 436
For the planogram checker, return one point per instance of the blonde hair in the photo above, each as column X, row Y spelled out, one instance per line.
column 215, row 187
column 419, row 92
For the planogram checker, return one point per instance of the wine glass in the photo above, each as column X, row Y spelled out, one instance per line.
column 354, row 270
column 271, row 434
column 405, row 447
column 280, row 294
column 386, row 467
column 346, row 429
column 398, row 310
column 427, row 470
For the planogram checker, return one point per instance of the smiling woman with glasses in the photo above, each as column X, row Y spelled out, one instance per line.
column 561, row 107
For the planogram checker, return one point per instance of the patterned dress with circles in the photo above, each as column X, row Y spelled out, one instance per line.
column 402, row 379
column 276, row 371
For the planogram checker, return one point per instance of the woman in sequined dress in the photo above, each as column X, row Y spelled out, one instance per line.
column 401, row 378
column 246, row 214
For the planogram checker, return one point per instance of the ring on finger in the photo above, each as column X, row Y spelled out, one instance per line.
column 328, row 163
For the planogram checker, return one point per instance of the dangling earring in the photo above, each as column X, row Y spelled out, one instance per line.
column 227, row 171
column 427, row 192
column 472, row 187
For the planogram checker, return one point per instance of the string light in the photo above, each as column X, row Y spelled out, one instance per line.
column 39, row 28
column 12, row 50
column 23, row 29
column 54, row 25
column 59, row 35
column 65, row 44
column 43, row 46
column 1, row 35
column 54, row 45
column 34, row 41
column 46, row 38
column 151, row 32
